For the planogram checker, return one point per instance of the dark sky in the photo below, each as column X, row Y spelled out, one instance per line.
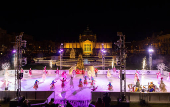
column 65, row 21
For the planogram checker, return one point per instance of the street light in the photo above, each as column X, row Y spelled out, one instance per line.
column 61, row 53
column 103, row 57
column 150, row 57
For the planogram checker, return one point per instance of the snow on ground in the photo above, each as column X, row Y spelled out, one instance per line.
column 76, row 93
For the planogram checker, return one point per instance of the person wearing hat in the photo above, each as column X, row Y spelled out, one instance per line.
column 52, row 85
column 162, row 86
column 36, row 85
column 106, row 100
column 85, row 81
column 138, row 84
column 151, row 87
column 110, row 87
column 80, row 83
column 71, row 82
column 63, row 83
column 92, row 82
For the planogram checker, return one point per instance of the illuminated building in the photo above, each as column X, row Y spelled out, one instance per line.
column 87, row 44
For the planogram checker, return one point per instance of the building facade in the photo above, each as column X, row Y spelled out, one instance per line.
column 88, row 44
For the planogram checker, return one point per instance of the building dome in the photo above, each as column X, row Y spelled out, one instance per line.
column 87, row 35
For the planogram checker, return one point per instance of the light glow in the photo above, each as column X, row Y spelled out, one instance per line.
column 150, row 50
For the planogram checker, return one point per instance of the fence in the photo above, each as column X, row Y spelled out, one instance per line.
column 150, row 97
column 32, row 95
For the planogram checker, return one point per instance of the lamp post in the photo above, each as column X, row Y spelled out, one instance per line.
column 61, row 54
column 103, row 57
column 121, row 44
column 150, row 57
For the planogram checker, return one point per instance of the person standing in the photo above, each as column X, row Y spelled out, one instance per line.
column 96, row 70
column 71, row 82
column 106, row 100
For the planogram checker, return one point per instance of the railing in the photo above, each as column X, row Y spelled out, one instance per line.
column 150, row 97
column 74, row 103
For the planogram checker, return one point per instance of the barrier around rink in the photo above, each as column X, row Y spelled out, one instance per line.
column 128, row 72
column 150, row 97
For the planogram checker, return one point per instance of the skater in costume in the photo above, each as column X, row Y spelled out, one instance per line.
column 92, row 82
column 96, row 70
column 52, row 85
column 71, row 82
column 136, row 78
column 30, row 72
column 80, row 83
column 36, row 85
column 158, row 75
column 63, row 83
column 64, row 75
column 110, row 87
column 94, row 88
column 85, row 81
column 108, row 74
column 162, row 86
column 45, row 71
column 89, row 74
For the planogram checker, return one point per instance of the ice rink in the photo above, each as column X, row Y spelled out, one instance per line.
column 76, row 93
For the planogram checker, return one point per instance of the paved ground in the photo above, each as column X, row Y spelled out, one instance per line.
column 75, row 93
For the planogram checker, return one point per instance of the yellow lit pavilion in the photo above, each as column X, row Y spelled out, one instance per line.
column 87, row 44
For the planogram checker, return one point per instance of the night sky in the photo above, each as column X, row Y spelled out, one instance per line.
column 65, row 21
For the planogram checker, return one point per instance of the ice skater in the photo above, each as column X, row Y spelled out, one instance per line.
column 43, row 76
column 85, row 73
column 30, row 73
column 119, row 74
column 36, row 85
column 6, row 75
column 158, row 75
column 93, row 73
column 162, row 86
column 110, row 87
column 73, row 73
column 94, row 88
column 114, row 70
column 96, row 70
column 137, row 73
column 108, row 74
column 85, row 81
column 80, row 83
column 57, row 71
column 92, row 82
column 63, row 84
column 22, row 71
column 64, row 75
column 136, row 78
column 45, row 71
column 89, row 74
column 5, row 84
column 71, row 82
column 52, row 85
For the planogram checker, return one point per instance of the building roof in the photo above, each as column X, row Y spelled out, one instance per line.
column 87, row 32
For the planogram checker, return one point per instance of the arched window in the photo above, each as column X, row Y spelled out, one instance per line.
column 84, row 47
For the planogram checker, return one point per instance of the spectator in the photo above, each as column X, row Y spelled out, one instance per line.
column 68, row 104
column 51, row 103
column 99, row 103
column 106, row 100
column 25, row 103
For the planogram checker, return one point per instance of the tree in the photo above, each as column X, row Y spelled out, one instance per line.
column 162, row 67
